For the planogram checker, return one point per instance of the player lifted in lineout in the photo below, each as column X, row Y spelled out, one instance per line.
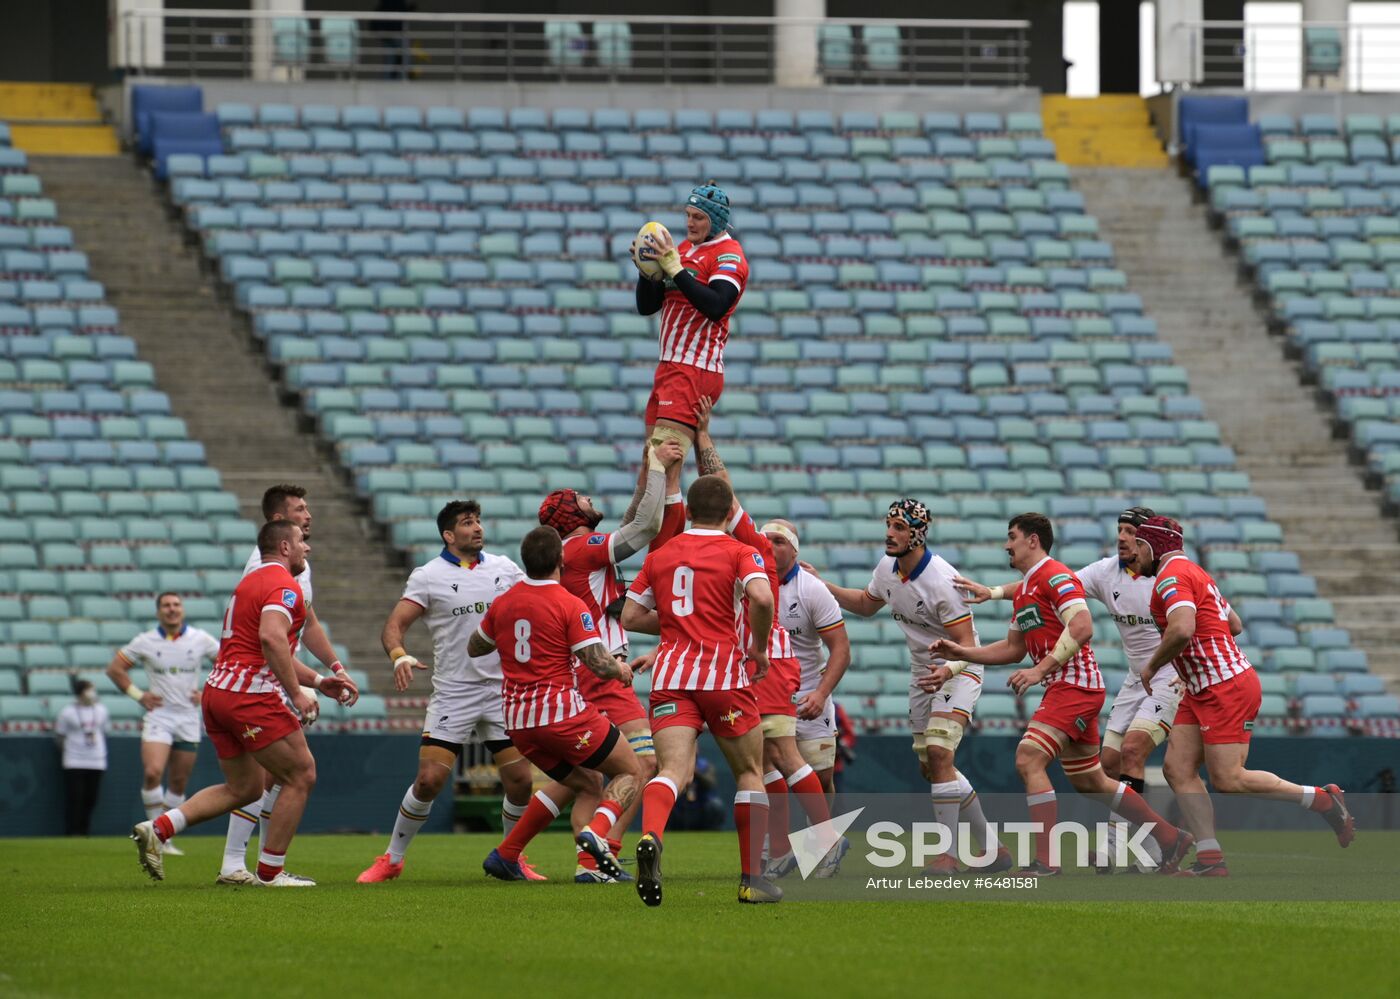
column 695, row 286
column 1051, row 622
column 590, row 573
column 1138, row 722
column 538, row 628
column 284, row 501
column 1223, row 695
column 452, row 593
column 246, row 715
column 172, row 655
column 689, row 592
column 917, row 585
column 785, row 771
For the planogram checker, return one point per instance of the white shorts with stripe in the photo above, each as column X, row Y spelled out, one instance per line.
column 958, row 696
column 1133, row 703
column 459, row 712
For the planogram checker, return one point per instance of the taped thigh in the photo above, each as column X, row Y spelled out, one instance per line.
column 779, row 726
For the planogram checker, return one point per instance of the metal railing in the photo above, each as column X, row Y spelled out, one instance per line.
column 537, row 48
column 1327, row 55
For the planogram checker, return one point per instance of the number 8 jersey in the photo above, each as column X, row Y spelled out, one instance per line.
column 537, row 627
column 694, row 583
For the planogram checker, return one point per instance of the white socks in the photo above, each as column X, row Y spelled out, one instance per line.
column 976, row 819
column 153, row 801
column 412, row 814
column 241, row 823
column 510, row 815
column 946, row 799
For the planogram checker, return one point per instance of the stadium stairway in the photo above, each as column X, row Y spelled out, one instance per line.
column 56, row 119
column 202, row 356
column 1281, row 436
column 1110, row 130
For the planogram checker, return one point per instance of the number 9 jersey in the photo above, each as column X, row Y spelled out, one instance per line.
column 694, row 584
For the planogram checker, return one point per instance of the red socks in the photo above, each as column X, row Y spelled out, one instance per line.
column 164, row 828
column 751, row 819
column 776, row 788
column 808, row 785
column 538, row 815
column 658, row 798
column 1043, row 810
column 1134, row 807
column 270, row 864
column 604, row 818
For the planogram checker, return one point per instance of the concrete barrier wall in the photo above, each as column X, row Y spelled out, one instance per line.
column 362, row 778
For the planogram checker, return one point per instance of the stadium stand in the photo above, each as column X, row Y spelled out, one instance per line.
column 107, row 500
column 1317, row 229
column 932, row 313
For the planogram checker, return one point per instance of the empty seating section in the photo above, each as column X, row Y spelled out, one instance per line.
column 1318, row 229
column 104, row 499
column 931, row 313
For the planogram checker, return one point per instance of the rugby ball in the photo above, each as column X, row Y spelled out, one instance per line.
column 650, row 238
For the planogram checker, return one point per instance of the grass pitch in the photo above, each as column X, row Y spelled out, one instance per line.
column 78, row 918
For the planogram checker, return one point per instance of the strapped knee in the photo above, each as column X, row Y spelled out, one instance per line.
column 642, row 743
column 820, row 754
column 1155, row 730
column 943, row 733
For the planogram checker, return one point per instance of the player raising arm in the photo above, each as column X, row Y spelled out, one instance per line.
column 1052, row 623
column 1222, row 697
column 539, row 627
column 689, row 593
column 785, row 771
column 697, row 290
column 244, row 711
column 590, row 573
column 917, row 586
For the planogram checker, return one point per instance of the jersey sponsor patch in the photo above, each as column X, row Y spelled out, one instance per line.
column 728, row 258
column 587, row 620
column 757, row 559
column 597, row 539
column 1063, row 577
column 662, row 710
column 1028, row 618
column 1164, row 584
column 289, row 598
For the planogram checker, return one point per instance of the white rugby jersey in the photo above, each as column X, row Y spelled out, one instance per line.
column 1128, row 598
column 455, row 596
column 806, row 608
column 175, row 666
column 925, row 603
column 303, row 578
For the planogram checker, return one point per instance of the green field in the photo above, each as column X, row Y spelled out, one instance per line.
column 80, row 918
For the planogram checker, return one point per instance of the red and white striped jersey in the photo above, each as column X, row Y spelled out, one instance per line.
column 1048, row 590
column 687, row 336
column 242, row 667
column 591, row 575
column 1211, row 656
column 694, row 584
column 537, row 626
column 779, row 641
